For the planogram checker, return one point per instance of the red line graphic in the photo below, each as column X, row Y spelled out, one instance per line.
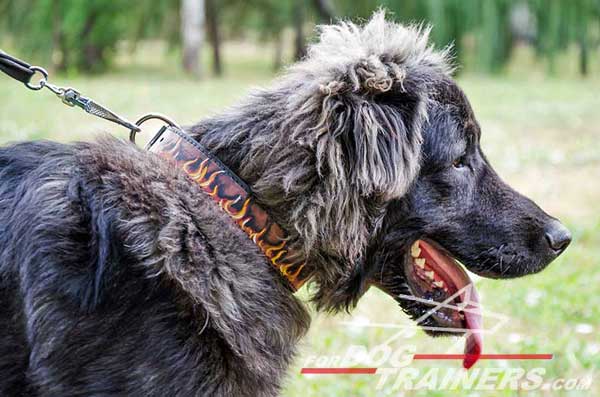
column 330, row 371
column 484, row 356
column 372, row 371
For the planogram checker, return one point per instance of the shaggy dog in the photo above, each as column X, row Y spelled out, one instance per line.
column 118, row 276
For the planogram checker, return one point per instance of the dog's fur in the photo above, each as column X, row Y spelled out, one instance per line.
column 120, row 277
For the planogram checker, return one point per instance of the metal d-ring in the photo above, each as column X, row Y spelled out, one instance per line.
column 151, row 116
column 43, row 80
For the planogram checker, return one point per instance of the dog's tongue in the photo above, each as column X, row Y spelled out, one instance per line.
column 455, row 275
column 474, row 342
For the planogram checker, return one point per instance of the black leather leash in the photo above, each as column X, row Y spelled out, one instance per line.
column 15, row 68
column 24, row 72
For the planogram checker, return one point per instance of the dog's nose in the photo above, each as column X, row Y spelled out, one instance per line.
column 557, row 236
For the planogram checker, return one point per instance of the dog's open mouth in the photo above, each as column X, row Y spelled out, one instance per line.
column 434, row 276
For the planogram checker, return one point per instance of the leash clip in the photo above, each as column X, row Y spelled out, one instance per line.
column 24, row 72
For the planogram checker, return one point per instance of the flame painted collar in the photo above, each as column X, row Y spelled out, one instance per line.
column 234, row 197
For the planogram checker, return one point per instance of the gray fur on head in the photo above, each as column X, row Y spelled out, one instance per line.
column 338, row 133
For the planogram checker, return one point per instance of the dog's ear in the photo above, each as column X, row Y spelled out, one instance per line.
column 365, row 128
column 369, row 129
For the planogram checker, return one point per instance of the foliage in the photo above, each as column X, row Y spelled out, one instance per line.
column 556, row 24
column 563, row 23
column 74, row 34
column 82, row 35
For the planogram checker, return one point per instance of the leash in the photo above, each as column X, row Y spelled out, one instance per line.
column 24, row 72
column 171, row 143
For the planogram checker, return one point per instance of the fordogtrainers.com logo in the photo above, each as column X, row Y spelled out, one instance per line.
column 446, row 378
column 396, row 369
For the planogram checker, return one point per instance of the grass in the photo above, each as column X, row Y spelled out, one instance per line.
column 542, row 136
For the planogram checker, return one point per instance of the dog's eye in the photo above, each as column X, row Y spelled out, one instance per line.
column 459, row 162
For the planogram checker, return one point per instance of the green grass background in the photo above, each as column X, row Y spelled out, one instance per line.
column 542, row 135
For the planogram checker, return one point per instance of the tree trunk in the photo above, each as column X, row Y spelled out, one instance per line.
column 325, row 10
column 583, row 31
column 212, row 24
column 278, row 58
column 58, row 42
column 91, row 53
column 192, row 35
column 299, row 40
column 583, row 56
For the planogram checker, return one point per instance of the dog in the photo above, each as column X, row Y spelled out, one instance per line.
column 119, row 276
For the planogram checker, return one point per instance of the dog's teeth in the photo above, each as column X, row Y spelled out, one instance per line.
column 429, row 274
column 420, row 262
column 415, row 250
column 461, row 315
column 439, row 284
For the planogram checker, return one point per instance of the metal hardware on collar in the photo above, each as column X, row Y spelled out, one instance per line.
column 152, row 116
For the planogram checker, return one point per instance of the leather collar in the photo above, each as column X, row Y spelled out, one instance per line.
column 235, row 198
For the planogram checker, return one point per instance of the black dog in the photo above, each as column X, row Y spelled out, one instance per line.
column 118, row 276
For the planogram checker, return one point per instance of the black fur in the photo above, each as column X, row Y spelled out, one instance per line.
column 102, row 268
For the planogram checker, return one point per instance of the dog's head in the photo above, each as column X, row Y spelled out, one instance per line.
column 375, row 165
column 397, row 145
column 457, row 209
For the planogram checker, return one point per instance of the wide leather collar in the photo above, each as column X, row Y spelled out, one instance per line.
column 235, row 198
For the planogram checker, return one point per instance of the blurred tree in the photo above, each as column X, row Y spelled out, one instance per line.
column 357, row 8
column 268, row 18
column 565, row 23
column 299, row 39
column 154, row 19
column 325, row 10
column 82, row 35
column 494, row 38
column 73, row 34
column 214, row 34
column 192, row 35
column 277, row 14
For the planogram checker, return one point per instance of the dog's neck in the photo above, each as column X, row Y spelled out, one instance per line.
column 232, row 141
column 234, row 198
column 254, row 140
